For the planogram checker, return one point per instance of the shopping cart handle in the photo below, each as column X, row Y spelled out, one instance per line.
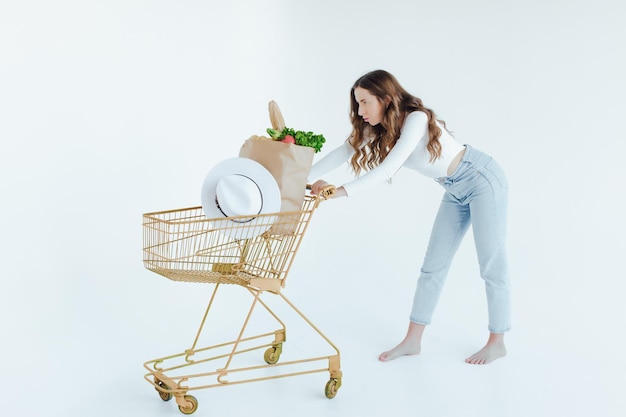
column 327, row 191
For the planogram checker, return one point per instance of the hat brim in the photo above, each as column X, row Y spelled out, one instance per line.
column 263, row 179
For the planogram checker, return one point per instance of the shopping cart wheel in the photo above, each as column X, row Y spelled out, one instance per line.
column 192, row 405
column 273, row 354
column 332, row 386
column 165, row 396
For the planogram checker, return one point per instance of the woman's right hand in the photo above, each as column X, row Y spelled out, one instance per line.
column 317, row 186
column 320, row 185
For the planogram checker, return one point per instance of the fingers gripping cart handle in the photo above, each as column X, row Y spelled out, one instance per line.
column 327, row 191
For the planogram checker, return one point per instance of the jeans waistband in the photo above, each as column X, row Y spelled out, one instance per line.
column 471, row 157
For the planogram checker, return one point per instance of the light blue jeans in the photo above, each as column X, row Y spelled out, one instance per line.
column 476, row 193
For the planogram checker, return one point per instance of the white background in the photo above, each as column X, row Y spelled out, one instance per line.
column 110, row 109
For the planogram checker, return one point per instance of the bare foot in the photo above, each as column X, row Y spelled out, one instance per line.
column 403, row 349
column 411, row 345
column 493, row 350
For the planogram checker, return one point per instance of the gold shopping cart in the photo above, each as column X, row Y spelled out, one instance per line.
column 183, row 245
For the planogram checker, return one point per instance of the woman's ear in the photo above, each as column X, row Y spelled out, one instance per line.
column 387, row 101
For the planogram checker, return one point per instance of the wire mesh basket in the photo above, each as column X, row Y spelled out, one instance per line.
column 183, row 245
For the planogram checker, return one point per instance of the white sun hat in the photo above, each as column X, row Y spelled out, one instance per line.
column 240, row 187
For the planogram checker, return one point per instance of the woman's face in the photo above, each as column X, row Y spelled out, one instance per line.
column 370, row 108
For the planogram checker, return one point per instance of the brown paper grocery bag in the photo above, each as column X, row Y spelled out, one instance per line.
column 290, row 165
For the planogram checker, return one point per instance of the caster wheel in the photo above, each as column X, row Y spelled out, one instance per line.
column 192, row 405
column 332, row 386
column 165, row 396
column 273, row 354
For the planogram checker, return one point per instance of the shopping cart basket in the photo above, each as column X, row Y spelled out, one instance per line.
column 183, row 245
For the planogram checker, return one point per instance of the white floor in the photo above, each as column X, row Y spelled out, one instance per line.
column 83, row 353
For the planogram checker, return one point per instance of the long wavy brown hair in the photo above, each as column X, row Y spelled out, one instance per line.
column 372, row 144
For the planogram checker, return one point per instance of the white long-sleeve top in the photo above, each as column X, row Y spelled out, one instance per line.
column 409, row 151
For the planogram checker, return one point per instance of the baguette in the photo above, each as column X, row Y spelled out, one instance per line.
column 276, row 117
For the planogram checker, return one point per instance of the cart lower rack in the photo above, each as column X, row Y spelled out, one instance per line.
column 183, row 245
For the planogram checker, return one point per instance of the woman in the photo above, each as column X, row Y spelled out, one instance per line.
column 391, row 129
